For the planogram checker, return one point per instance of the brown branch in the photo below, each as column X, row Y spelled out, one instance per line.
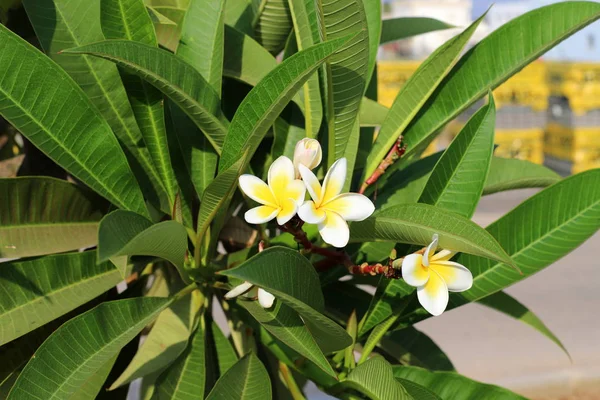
column 397, row 151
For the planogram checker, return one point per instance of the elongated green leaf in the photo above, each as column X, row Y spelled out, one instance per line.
column 372, row 113
column 374, row 25
column 412, row 347
column 306, row 30
column 273, row 24
column 346, row 70
column 241, row 15
column 405, row 27
column 375, row 379
column 292, row 279
column 80, row 347
column 286, row 325
column 522, row 40
column 506, row 304
column 94, row 384
column 201, row 42
column 123, row 233
column 265, row 102
column 457, row 180
column 417, row 391
column 60, row 24
column 39, row 290
column 226, row 355
column 512, row 173
column 159, row 18
column 415, row 92
column 452, row 386
column 186, row 378
column 68, row 129
column 246, row 380
column 172, row 76
column 45, row 215
column 167, row 25
column 538, row 232
column 128, row 19
column 165, row 342
column 416, row 224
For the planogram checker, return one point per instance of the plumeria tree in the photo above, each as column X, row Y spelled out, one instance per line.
column 236, row 215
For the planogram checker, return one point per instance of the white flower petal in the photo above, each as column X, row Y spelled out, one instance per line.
column 261, row 214
column 458, row 278
column 334, row 180
column 334, row 230
column 296, row 190
column 309, row 214
column 288, row 209
column 413, row 271
column 308, row 153
column 257, row 190
column 430, row 250
column 443, row 255
column 433, row 296
column 281, row 173
column 351, row 206
column 265, row 298
column 312, row 183
column 239, row 289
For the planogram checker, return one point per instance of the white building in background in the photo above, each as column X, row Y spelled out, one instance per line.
column 454, row 12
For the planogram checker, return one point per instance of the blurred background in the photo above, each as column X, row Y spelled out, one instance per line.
column 548, row 114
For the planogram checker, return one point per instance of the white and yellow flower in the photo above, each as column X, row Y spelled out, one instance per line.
column 280, row 198
column 308, row 153
column 265, row 299
column 434, row 275
column 330, row 208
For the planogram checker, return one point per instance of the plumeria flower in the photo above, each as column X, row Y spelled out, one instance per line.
column 265, row 299
column 330, row 209
column 308, row 153
column 434, row 275
column 280, row 198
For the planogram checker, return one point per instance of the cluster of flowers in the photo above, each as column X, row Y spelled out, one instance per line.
column 283, row 196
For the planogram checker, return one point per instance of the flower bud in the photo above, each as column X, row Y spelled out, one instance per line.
column 308, row 153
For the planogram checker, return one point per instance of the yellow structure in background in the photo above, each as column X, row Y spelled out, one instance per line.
column 573, row 132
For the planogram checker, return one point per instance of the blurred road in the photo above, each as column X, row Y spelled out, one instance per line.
column 490, row 347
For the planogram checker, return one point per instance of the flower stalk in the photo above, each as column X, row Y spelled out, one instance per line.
column 395, row 153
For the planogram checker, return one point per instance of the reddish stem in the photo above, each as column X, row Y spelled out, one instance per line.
column 397, row 151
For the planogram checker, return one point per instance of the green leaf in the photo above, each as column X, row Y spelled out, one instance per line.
column 246, row 380
column 522, row 40
column 291, row 278
column 264, row 103
column 306, row 30
column 452, row 386
column 37, row 291
column 82, row 346
column 273, row 24
column 538, row 232
column 286, row 325
column 374, row 23
column 412, row 347
column 226, row 355
column 201, row 42
column 417, row 391
column 186, row 378
column 346, row 70
column 506, row 304
column 168, row 26
column 123, row 233
column 415, row 92
column 171, row 75
column 165, row 342
column 60, row 24
column 375, row 379
column 457, row 180
column 128, row 19
column 45, row 215
column 416, row 224
column 405, row 27
column 372, row 113
column 241, row 15
column 512, row 173
column 94, row 384
column 95, row 158
column 159, row 18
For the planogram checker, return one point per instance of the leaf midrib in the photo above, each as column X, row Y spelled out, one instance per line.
column 549, row 233
column 180, row 91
